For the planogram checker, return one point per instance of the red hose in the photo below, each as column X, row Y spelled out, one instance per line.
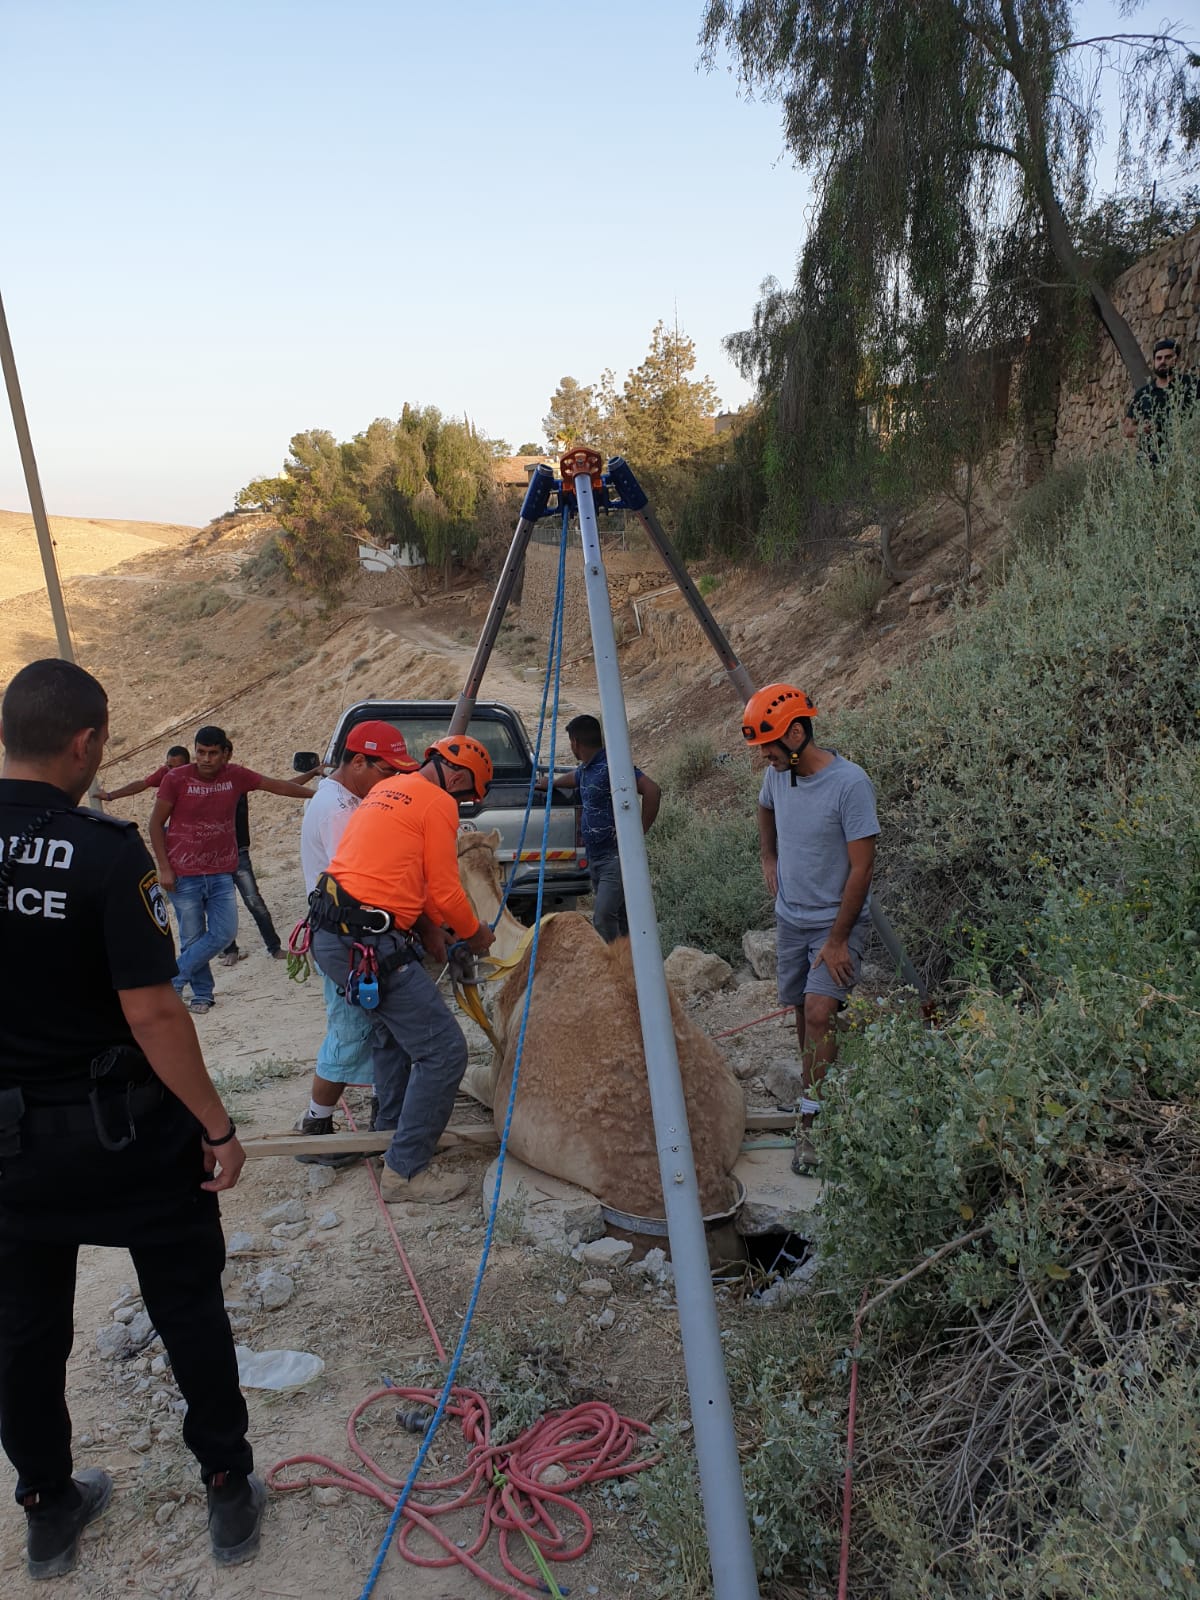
column 742, row 1026
column 589, row 1442
column 438, row 1346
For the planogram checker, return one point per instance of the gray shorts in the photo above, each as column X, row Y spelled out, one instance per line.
column 798, row 948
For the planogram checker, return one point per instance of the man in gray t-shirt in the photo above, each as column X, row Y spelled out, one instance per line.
column 817, row 829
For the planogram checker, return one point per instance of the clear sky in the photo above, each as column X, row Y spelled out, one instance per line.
column 228, row 221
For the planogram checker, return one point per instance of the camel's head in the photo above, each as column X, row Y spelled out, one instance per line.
column 480, row 871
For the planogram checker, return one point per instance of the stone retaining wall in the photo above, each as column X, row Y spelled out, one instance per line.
column 1160, row 298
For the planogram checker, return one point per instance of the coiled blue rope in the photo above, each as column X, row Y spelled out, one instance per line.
column 553, row 668
column 553, row 654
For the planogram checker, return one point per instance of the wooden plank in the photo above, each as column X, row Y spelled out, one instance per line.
column 457, row 1134
column 334, row 1144
column 767, row 1121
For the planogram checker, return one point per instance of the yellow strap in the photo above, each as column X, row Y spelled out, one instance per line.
column 468, row 996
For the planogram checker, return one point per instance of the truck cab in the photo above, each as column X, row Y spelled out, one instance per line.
column 502, row 733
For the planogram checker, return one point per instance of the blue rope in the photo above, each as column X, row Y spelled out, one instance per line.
column 553, row 653
column 553, row 663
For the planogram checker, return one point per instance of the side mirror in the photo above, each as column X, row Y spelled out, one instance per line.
column 305, row 761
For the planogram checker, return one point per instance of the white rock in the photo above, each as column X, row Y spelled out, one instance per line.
column 596, row 1288
column 289, row 1230
column 288, row 1211
column 159, row 1366
column 126, row 1295
column 275, row 1287
column 553, row 1475
column 327, row 1495
column 606, row 1319
column 606, row 1253
column 141, row 1441
column 164, row 1513
column 112, row 1341
column 328, row 1219
column 921, row 594
column 783, row 1082
column 321, row 1178
column 653, row 1265
column 694, row 972
column 241, row 1243
column 127, row 1312
column 141, row 1330
column 758, row 947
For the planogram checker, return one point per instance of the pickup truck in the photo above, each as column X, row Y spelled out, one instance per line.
column 500, row 730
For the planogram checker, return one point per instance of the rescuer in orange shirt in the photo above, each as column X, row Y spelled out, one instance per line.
column 389, row 893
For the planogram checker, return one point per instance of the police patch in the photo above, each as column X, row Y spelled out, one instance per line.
column 155, row 902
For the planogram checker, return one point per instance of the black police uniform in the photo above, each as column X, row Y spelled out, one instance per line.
column 94, row 1149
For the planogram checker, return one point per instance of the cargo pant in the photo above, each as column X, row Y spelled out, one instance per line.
column 418, row 1051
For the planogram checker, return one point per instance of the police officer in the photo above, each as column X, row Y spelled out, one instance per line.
column 111, row 1132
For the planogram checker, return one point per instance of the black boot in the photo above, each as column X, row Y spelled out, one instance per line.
column 316, row 1127
column 236, row 1502
column 55, row 1521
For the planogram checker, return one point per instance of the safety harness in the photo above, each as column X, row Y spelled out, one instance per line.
column 332, row 907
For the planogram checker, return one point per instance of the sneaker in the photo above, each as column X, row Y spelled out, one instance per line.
column 236, row 1502
column 805, row 1156
column 429, row 1187
column 318, row 1126
column 200, row 1008
column 54, row 1522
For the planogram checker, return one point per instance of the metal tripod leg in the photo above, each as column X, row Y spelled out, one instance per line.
column 634, row 498
column 721, row 1490
column 537, row 497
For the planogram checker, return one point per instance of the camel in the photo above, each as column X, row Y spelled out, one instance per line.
column 583, row 1104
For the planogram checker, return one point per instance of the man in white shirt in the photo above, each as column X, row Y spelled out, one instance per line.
column 373, row 751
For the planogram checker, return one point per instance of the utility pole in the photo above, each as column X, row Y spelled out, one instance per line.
column 36, row 504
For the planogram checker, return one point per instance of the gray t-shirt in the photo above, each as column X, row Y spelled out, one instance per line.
column 814, row 819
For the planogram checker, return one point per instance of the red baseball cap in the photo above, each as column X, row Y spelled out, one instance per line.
column 383, row 742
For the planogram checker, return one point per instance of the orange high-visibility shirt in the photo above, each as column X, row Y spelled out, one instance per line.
column 400, row 852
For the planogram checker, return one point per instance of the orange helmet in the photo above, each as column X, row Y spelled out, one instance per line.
column 770, row 712
column 460, row 750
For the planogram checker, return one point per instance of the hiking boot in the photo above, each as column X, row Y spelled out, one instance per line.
column 804, row 1157
column 278, row 955
column 236, row 1502
column 427, row 1187
column 318, row 1126
column 54, row 1522
column 201, row 1008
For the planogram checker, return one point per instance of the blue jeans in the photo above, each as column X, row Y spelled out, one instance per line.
column 419, row 1052
column 207, row 911
column 608, row 912
column 247, row 887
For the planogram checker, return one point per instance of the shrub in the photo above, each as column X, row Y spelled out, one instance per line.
column 854, row 591
column 1040, row 516
column 1005, row 744
column 705, row 873
column 265, row 563
column 687, row 762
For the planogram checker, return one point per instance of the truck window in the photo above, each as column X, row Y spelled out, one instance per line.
column 508, row 759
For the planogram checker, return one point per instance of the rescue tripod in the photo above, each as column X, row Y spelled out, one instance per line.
column 582, row 490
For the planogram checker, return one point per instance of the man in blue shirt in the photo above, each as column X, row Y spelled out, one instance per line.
column 599, row 830
column 817, row 829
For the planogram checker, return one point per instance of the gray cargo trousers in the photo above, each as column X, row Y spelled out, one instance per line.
column 417, row 1049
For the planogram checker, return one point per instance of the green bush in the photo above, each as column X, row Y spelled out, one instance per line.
column 1002, row 748
column 686, row 762
column 1040, row 516
column 708, row 888
column 854, row 590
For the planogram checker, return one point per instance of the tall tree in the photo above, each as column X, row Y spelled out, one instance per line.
column 925, row 121
column 662, row 414
column 573, row 417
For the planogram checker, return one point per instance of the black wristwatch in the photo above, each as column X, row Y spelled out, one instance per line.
column 214, row 1144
